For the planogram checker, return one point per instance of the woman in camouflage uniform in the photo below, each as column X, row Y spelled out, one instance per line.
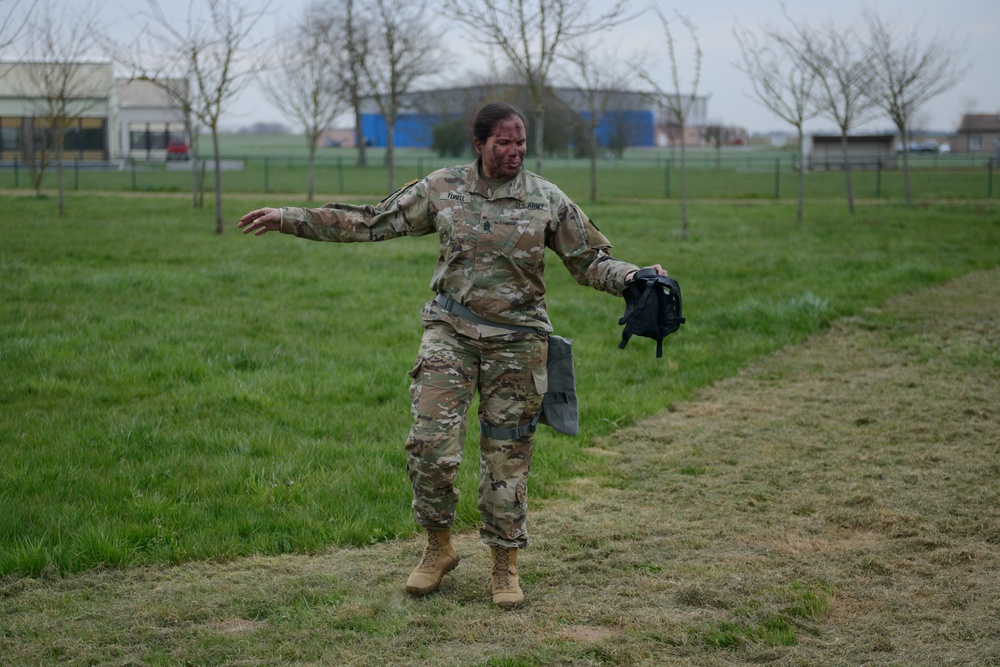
column 486, row 330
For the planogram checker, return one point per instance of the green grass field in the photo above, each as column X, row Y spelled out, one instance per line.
column 168, row 395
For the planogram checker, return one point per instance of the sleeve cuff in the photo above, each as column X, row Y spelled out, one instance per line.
column 289, row 216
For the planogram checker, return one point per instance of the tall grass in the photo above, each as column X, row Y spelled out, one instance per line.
column 166, row 394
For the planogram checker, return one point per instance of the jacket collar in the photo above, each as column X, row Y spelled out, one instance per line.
column 515, row 188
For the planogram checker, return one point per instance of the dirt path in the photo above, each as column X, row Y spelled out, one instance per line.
column 835, row 504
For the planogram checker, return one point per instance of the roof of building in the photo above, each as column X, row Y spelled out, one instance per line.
column 145, row 93
column 980, row 122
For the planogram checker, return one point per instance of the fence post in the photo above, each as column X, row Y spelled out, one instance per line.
column 666, row 180
column 267, row 175
column 989, row 179
column 132, row 163
column 76, row 174
column 340, row 173
column 777, row 178
column 878, row 178
column 17, row 173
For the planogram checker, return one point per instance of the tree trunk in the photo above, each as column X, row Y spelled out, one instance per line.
column 802, row 178
column 312, row 171
column 359, row 137
column 904, row 133
column 390, row 154
column 193, row 156
column 847, row 173
column 684, row 185
column 218, row 179
column 60, row 139
column 593, row 172
column 539, row 135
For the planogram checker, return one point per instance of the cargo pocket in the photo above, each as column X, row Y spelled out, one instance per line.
column 415, row 384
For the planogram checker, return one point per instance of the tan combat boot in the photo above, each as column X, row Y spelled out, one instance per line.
column 507, row 593
column 439, row 559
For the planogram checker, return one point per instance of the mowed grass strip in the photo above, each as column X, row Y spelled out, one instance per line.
column 831, row 504
column 168, row 395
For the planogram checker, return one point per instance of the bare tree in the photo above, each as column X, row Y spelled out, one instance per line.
column 677, row 106
column 306, row 85
column 173, row 82
column 60, row 84
column 532, row 34
column 909, row 72
column 717, row 135
column 356, row 43
column 404, row 51
column 783, row 83
column 603, row 81
column 213, row 53
column 11, row 24
column 844, row 71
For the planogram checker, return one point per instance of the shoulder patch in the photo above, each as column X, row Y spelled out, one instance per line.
column 395, row 195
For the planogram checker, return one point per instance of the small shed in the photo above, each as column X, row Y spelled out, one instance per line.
column 825, row 152
column 979, row 134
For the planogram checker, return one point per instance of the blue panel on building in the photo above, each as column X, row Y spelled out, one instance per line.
column 412, row 130
column 636, row 126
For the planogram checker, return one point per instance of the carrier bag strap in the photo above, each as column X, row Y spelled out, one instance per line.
column 449, row 305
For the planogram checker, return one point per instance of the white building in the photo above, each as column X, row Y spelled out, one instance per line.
column 88, row 94
column 148, row 119
column 111, row 119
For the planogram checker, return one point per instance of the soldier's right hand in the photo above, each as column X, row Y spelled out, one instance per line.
column 261, row 221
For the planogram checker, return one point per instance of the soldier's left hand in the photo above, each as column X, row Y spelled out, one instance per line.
column 660, row 271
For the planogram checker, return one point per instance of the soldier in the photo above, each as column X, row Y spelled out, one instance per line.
column 486, row 330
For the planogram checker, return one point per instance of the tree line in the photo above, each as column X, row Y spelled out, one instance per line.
column 848, row 73
column 339, row 54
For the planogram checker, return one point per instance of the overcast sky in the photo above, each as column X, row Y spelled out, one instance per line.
column 971, row 24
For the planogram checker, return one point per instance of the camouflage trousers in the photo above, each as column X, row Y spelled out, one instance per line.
column 509, row 373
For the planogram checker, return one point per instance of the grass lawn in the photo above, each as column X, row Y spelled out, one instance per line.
column 830, row 504
column 169, row 395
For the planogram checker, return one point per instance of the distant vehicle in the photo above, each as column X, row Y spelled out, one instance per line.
column 923, row 147
column 178, row 149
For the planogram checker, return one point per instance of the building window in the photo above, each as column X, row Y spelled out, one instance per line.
column 154, row 136
column 10, row 138
column 975, row 143
column 87, row 135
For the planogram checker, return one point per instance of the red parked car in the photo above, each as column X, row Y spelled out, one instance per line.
column 178, row 149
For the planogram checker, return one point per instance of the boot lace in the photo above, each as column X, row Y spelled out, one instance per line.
column 501, row 569
column 432, row 551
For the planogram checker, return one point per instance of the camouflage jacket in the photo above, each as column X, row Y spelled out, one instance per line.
column 491, row 243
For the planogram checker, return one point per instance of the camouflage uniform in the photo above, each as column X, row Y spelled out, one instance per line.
column 492, row 258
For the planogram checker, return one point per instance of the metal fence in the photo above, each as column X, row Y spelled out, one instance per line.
column 751, row 174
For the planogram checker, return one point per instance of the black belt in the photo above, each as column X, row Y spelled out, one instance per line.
column 449, row 305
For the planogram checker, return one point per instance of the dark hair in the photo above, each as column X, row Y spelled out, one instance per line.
column 492, row 115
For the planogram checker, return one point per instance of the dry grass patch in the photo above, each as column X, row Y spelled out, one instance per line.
column 835, row 504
